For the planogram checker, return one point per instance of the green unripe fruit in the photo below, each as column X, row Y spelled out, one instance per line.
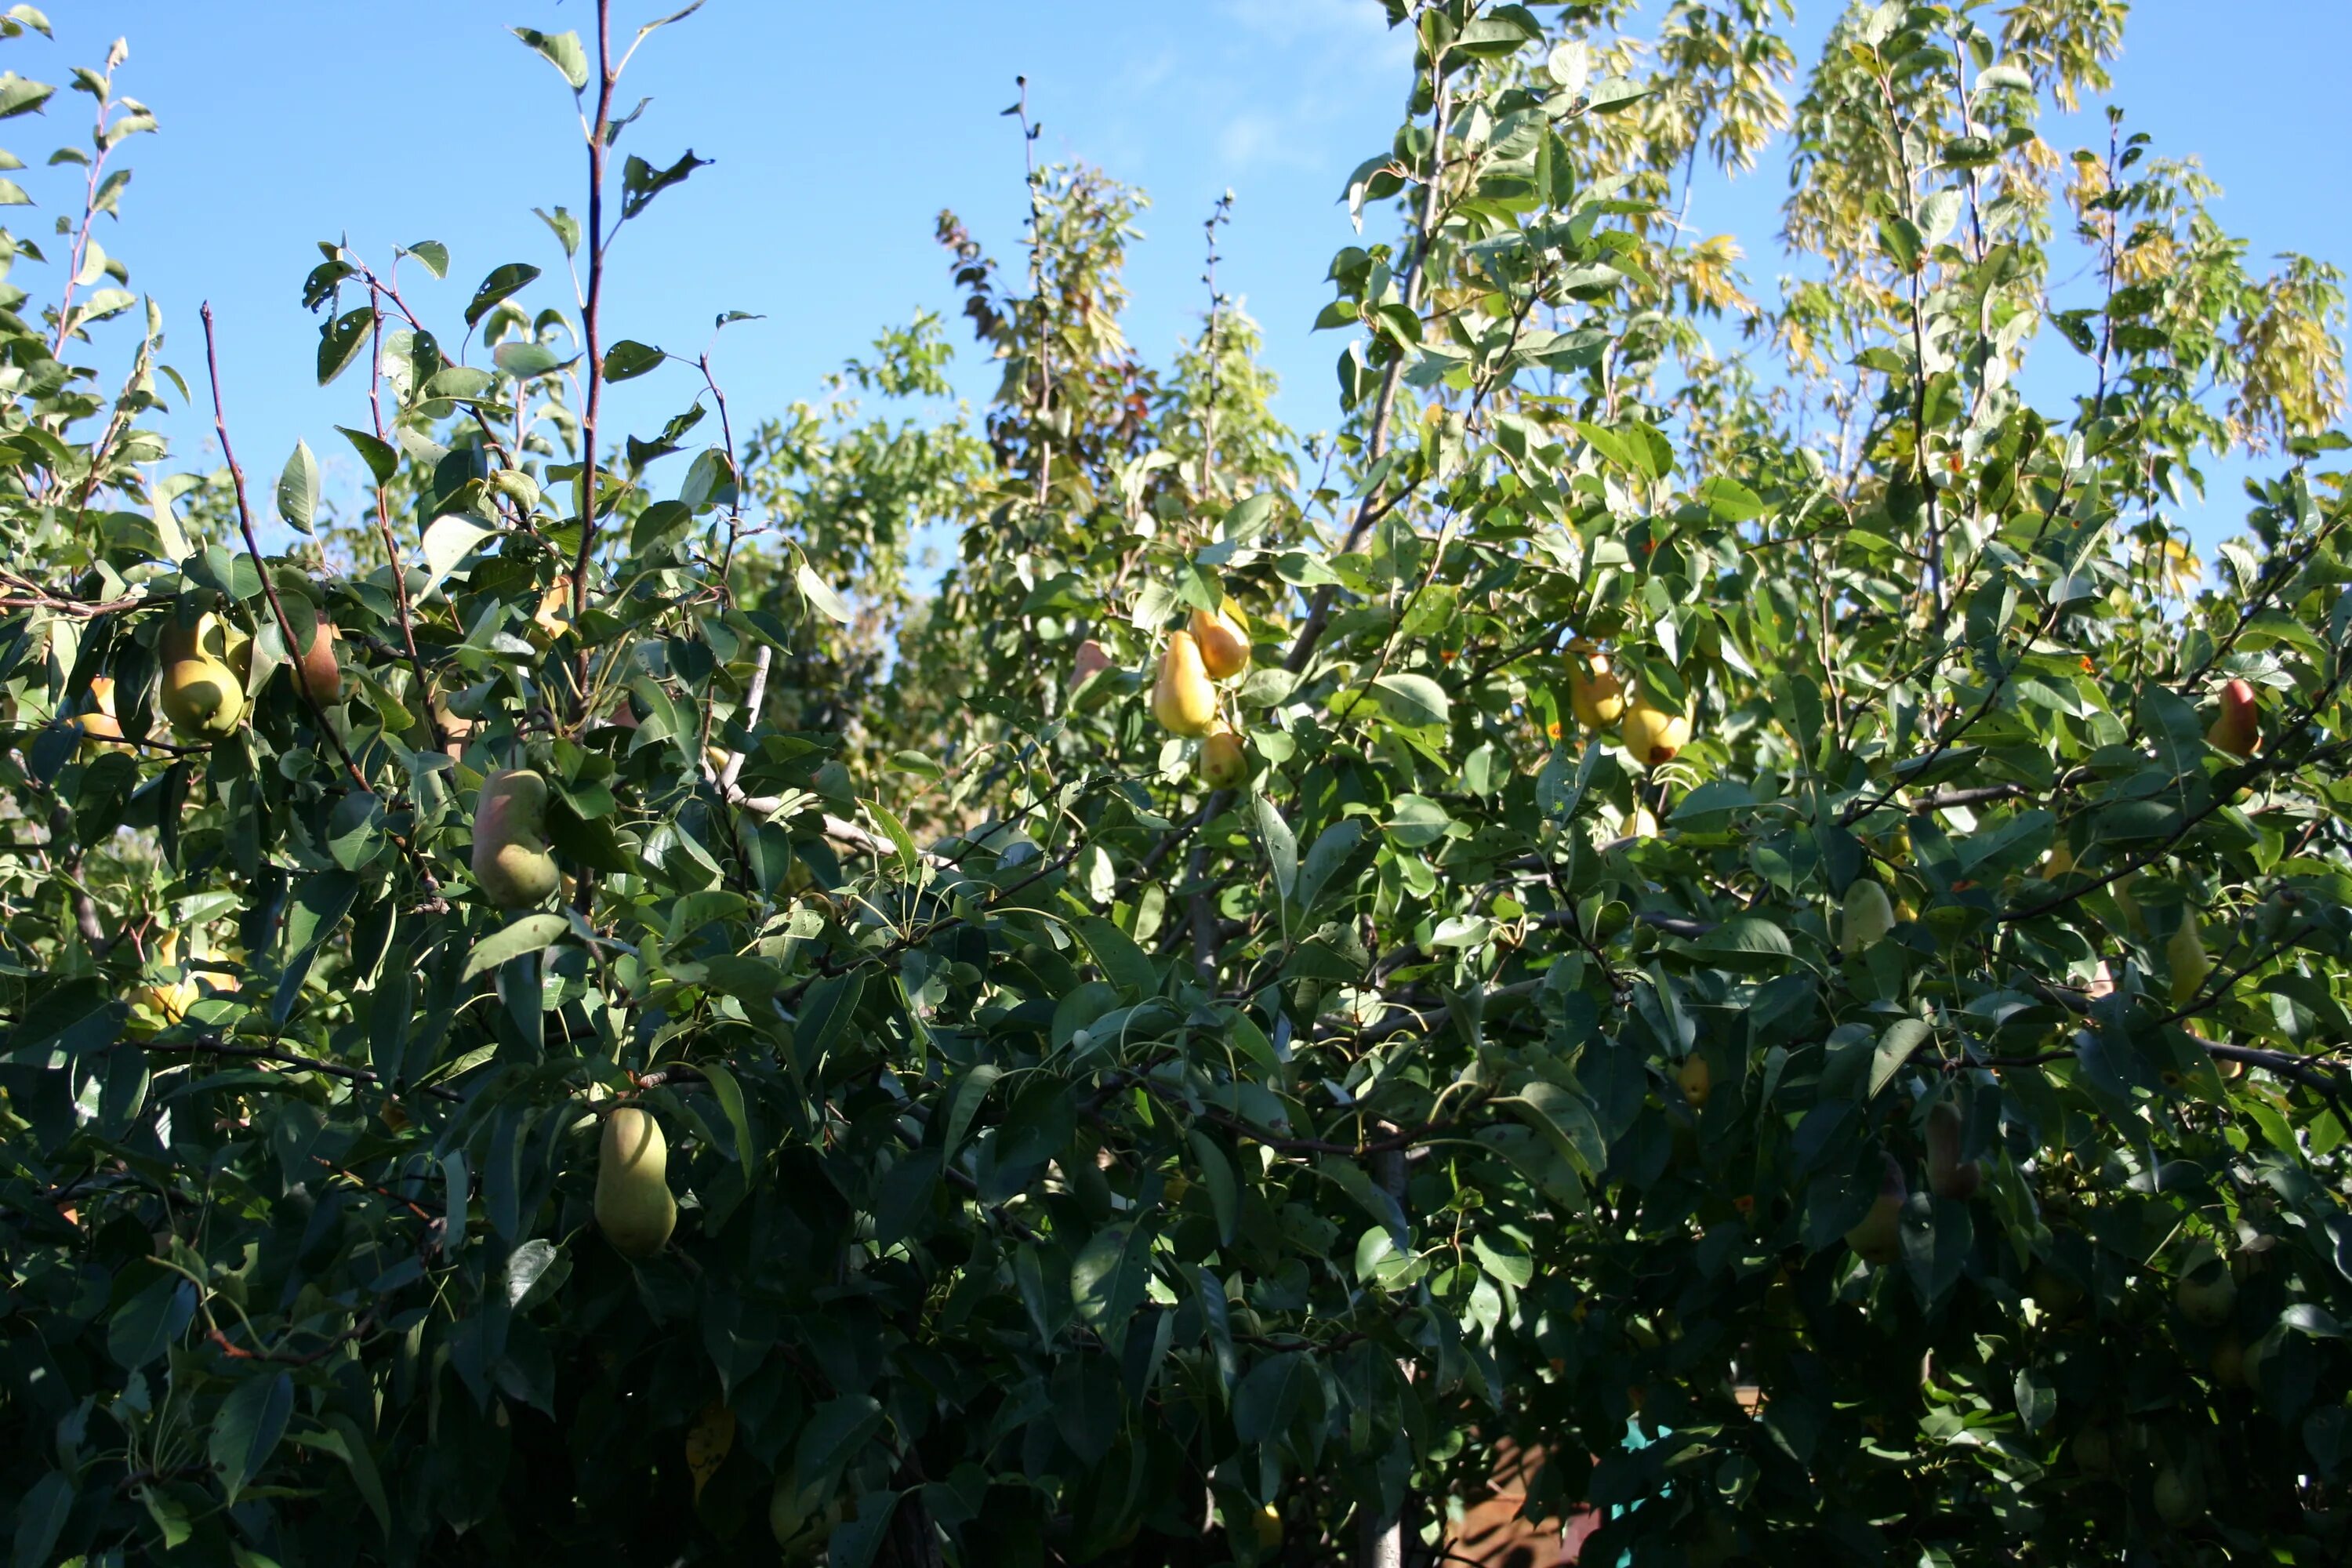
column 512, row 864
column 634, row 1207
column 2206, row 1295
column 1877, row 1239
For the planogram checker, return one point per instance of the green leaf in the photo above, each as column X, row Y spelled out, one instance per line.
column 969, row 1094
column 340, row 339
column 1902, row 1037
column 297, row 489
column 820, row 594
column 1729, row 500
column 19, row 95
column 629, row 359
column 730, row 1096
column 527, row 935
column 1123, row 963
column 1565, row 1121
column 1412, row 700
column 1281, row 844
column 381, row 459
column 41, row 1516
column 1108, row 1278
column 641, row 182
column 505, row 281
column 246, row 1432
column 432, row 254
column 561, row 50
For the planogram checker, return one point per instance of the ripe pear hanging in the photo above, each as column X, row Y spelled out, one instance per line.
column 2239, row 729
column 512, row 863
column 1653, row 734
column 1183, row 698
column 1224, row 643
column 1594, row 693
column 633, row 1206
column 202, row 695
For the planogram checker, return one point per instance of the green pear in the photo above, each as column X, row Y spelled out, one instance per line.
column 1877, row 1236
column 512, row 864
column 634, row 1207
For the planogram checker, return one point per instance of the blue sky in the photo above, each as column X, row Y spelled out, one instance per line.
column 840, row 131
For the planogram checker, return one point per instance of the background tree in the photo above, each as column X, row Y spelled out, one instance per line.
column 1755, row 925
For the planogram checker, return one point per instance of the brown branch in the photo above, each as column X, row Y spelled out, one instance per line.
column 285, row 626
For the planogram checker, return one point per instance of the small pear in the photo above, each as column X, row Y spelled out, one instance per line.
column 1653, row 734
column 2206, row 1293
column 1594, row 693
column 1695, row 1080
column 1877, row 1236
column 633, row 1206
column 1183, row 699
column 512, row 863
column 2239, row 729
column 1223, row 641
column 2186, row 957
column 2178, row 1495
column 1224, row 764
column 1868, row 917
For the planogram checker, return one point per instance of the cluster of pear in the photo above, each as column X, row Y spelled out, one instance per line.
column 1878, row 1238
column 1210, row 649
column 206, row 666
column 1598, row 697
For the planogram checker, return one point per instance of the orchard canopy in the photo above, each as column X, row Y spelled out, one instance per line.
column 1711, row 894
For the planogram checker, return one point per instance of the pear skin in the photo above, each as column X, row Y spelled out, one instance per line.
column 633, row 1206
column 512, row 863
column 2239, row 729
column 1224, row 764
column 1594, row 693
column 1653, row 734
column 1183, row 698
column 2186, row 957
column 1224, row 646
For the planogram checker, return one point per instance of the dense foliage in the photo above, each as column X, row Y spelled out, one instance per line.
column 1900, row 1120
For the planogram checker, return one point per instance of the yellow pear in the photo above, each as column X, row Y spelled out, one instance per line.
column 203, row 695
column 2239, row 729
column 1868, row 917
column 1224, row 764
column 1266, row 1525
column 1696, row 1081
column 171, row 999
column 2185, row 956
column 633, row 1206
column 512, row 864
column 1224, row 642
column 1595, row 694
column 1183, row 699
column 100, row 725
column 1653, row 734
